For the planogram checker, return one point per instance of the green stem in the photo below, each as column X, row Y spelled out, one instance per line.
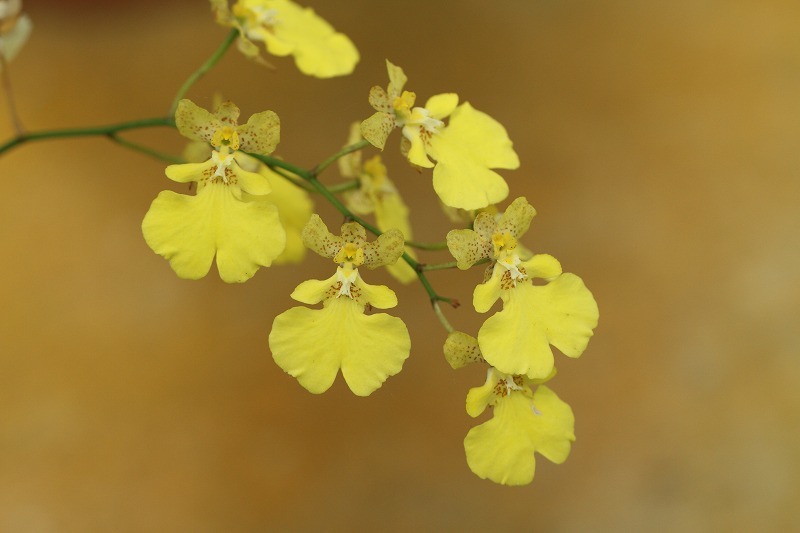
column 86, row 132
column 432, row 294
column 451, row 264
column 275, row 163
column 293, row 180
column 343, row 152
column 433, row 246
column 279, row 166
column 443, row 319
column 311, row 178
column 335, row 202
column 204, row 68
column 439, row 266
column 345, row 186
column 136, row 147
column 289, row 171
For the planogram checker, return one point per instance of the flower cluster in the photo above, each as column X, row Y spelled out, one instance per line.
column 515, row 342
column 244, row 208
column 249, row 212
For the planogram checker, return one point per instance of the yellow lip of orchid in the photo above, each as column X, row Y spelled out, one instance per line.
column 312, row 345
column 562, row 313
column 523, row 423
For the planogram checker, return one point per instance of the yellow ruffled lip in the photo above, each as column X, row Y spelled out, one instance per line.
column 517, row 339
column 466, row 151
column 313, row 344
column 502, row 448
column 189, row 231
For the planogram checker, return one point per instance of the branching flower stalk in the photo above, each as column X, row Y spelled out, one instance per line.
column 92, row 131
column 249, row 209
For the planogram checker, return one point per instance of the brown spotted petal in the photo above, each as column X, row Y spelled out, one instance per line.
column 468, row 247
column 485, row 225
column 195, row 122
column 461, row 349
column 385, row 250
column 228, row 113
column 517, row 218
column 261, row 133
column 376, row 129
column 317, row 238
column 353, row 232
column 379, row 100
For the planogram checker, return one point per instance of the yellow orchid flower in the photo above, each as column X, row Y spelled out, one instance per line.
column 313, row 344
column 228, row 216
column 523, row 422
column 293, row 203
column 562, row 312
column 286, row 28
column 465, row 149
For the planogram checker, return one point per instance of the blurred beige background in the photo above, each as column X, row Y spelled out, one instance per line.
column 659, row 143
